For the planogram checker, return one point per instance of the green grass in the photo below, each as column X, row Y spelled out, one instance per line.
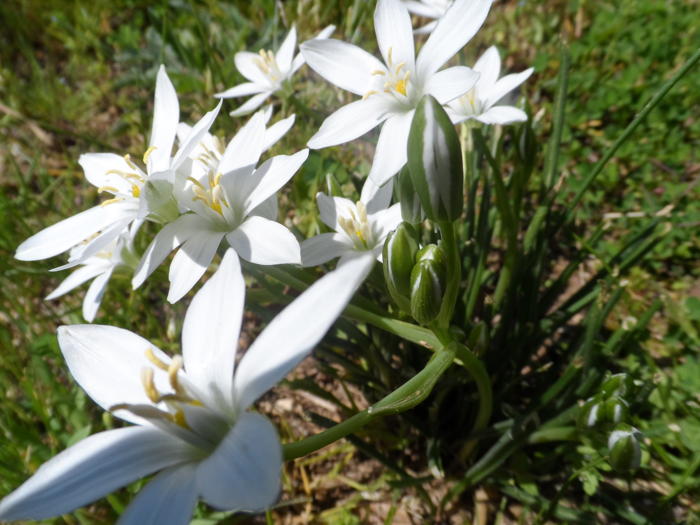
column 78, row 77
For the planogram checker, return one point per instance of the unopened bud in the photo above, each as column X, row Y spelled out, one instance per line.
column 411, row 210
column 435, row 161
column 399, row 256
column 428, row 279
column 625, row 449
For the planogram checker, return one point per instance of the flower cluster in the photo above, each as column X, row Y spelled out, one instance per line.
column 193, row 426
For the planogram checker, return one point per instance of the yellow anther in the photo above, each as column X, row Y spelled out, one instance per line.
column 401, row 87
column 196, row 183
column 149, row 385
column 213, row 183
column 125, row 175
column 378, row 72
column 369, row 94
column 179, row 419
column 135, row 190
column 127, row 159
column 110, row 189
column 157, row 362
column 388, row 57
column 112, row 201
column 399, row 66
column 173, row 369
column 147, row 153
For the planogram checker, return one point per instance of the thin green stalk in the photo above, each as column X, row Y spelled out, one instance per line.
column 454, row 272
column 552, row 159
column 660, row 94
column 403, row 398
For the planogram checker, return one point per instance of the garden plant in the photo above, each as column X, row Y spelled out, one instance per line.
column 340, row 236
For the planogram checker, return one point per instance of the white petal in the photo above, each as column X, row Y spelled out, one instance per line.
column 247, row 63
column 243, row 473
column 197, row 133
column 262, row 241
column 331, row 208
column 390, row 155
column 251, row 104
column 458, row 25
column 299, row 61
column 350, row 121
column 246, row 146
column 277, row 131
column 211, row 328
column 90, row 469
column 419, row 8
column 426, row 29
column 297, row 329
column 386, row 221
column 322, row 248
column 345, row 65
column 106, row 362
column 191, row 261
column 376, row 197
column 505, row 85
column 451, row 83
column 100, row 170
column 489, row 67
column 502, row 115
column 285, row 53
column 169, row 498
column 268, row 209
column 272, row 175
column 242, row 90
column 166, row 115
column 75, row 279
column 67, row 233
column 392, row 24
column 93, row 297
column 170, row 237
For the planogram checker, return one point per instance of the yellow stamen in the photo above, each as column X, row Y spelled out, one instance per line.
column 173, row 369
column 369, row 94
column 401, row 87
column 179, row 419
column 147, row 153
column 196, row 183
column 127, row 159
column 112, row 201
column 149, row 385
column 135, row 190
column 378, row 72
column 110, row 189
column 157, row 362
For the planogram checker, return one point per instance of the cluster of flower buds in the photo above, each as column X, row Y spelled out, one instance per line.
column 607, row 413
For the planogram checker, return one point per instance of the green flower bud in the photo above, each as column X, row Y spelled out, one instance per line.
column 598, row 412
column 399, row 256
column 405, row 192
column 435, row 161
column 428, row 279
column 616, row 384
column 625, row 449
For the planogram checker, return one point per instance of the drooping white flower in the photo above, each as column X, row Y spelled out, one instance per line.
column 480, row 102
column 224, row 195
column 266, row 71
column 121, row 177
column 191, row 411
column 98, row 267
column 428, row 9
column 359, row 227
column 391, row 89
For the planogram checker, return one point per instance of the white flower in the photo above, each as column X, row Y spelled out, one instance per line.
column 359, row 227
column 479, row 103
column 428, row 9
column 391, row 90
column 224, row 195
column 193, row 427
column 266, row 71
column 99, row 226
column 98, row 267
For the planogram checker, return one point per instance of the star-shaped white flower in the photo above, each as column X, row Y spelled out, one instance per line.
column 359, row 227
column 480, row 102
column 428, row 9
column 266, row 71
column 224, row 195
column 391, row 89
column 193, row 427
column 121, row 177
column 98, row 267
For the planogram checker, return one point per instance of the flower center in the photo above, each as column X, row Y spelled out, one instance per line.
column 267, row 63
column 395, row 81
column 212, row 195
column 135, row 178
column 357, row 227
column 174, row 400
column 471, row 103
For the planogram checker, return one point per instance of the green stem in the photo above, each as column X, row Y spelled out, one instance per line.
column 404, row 397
